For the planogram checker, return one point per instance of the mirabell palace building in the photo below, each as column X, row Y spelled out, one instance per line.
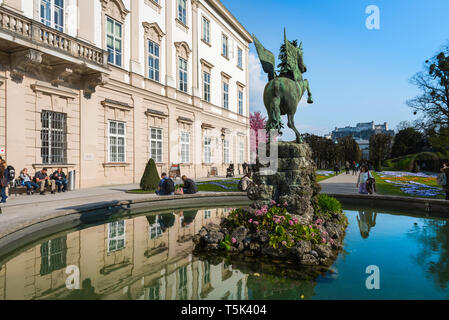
column 102, row 86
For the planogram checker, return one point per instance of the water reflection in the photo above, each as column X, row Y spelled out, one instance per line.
column 366, row 220
column 142, row 258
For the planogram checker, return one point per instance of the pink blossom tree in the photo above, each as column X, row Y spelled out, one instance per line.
column 257, row 122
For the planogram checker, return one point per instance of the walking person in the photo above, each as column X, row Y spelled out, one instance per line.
column 3, row 182
column 347, row 167
column 336, row 169
column 362, row 179
column 445, row 170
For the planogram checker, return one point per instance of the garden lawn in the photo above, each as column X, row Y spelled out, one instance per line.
column 407, row 184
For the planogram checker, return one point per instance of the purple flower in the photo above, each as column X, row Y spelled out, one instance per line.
column 234, row 240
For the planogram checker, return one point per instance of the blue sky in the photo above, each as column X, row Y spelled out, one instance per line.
column 356, row 74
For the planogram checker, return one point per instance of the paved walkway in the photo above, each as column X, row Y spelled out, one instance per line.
column 21, row 209
column 341, row 184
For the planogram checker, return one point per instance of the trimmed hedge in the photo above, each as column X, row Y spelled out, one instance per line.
column 150, row 179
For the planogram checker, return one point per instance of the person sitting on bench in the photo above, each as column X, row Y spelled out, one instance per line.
column 43, row 180
column 27, row 182
column 60, row 180
column 189, row 186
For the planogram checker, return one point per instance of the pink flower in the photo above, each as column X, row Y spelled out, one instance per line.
column 272, row 202
column 234, row 240
column 285, row 204
column 250, row 220
column 313, row 234
column 291, row 222
column 256, row 223
column 284, row 243
column 323, row 240
column 331, row 241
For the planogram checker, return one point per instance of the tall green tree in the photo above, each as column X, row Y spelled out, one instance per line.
column 349, row 149
column 379, row 148
column 433, row 102
column 407, row 141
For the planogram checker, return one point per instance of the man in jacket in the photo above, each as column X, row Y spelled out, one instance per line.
column 189, row 186
column 60, row 180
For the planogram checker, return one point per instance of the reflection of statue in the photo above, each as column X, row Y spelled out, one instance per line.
column 284, row 91
column 366, row 221
column 87, row 292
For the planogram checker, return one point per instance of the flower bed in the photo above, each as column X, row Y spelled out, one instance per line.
column 323, row 175
column 414, row 184
column 270, row 230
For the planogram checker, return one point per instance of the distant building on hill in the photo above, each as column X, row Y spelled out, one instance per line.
column 361, row 133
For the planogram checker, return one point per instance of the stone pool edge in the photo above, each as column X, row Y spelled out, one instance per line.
column 436, row 207
column 17, row 235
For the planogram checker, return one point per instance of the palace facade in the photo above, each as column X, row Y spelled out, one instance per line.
column 102, row 86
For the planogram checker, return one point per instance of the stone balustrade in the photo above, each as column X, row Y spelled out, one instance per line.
column 40, row 34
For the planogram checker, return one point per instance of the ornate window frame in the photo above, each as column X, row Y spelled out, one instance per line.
column 182, row 51
column 154, row 33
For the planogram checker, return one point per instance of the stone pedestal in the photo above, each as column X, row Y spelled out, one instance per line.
column 294, row 182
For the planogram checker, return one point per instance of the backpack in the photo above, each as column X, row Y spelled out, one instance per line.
column 442, row 179
column 12, row 173
column 169, row 186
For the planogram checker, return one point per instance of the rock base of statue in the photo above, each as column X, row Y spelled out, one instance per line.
column 293, row 183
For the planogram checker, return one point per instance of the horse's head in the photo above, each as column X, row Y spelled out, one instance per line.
column 301, row 65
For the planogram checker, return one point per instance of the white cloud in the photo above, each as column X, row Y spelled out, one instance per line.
column 257, row 82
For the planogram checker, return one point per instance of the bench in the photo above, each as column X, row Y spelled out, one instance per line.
column 16, row 188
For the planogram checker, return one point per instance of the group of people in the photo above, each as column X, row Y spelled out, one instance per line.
column 167, row 186
column 40, row 181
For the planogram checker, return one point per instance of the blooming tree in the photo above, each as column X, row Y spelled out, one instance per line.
column 257, row 122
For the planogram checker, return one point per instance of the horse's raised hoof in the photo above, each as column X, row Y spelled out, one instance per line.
column 310, row 101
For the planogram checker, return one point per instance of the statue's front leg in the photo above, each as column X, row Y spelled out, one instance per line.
column 309, row 93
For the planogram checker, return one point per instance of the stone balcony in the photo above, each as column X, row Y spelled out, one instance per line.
column 29, row 46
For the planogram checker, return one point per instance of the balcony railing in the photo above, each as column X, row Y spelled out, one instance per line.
column 41, row 34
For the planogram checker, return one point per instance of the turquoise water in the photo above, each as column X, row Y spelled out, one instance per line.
column 153, row 258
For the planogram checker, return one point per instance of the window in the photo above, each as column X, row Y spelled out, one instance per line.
column 153, row 60
column 207, row 149
column 224, row 50
column 54, row 137
column 154, row 293
column 117, row 146
column 225, row 95
column 114, row 41
column 206, row 30
column 185, row 147
column 156, row 144
column 240, row 58
column 241, row 152
column 240, row 102
column 52, row 14
column 206, row 278
column 182, row 65
column 206, row 81
column 226, row 150
column 116, row 236
column 182, row 16
column 155, row 229
column 53, row 255
column 207, row 214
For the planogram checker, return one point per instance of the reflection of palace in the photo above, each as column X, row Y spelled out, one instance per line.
column 142, row 258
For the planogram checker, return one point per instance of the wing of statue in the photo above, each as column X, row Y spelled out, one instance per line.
column 292, row 55
column 266, row 58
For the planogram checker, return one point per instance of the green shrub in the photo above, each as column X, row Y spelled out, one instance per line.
column 150, row 179
column 327, row 205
